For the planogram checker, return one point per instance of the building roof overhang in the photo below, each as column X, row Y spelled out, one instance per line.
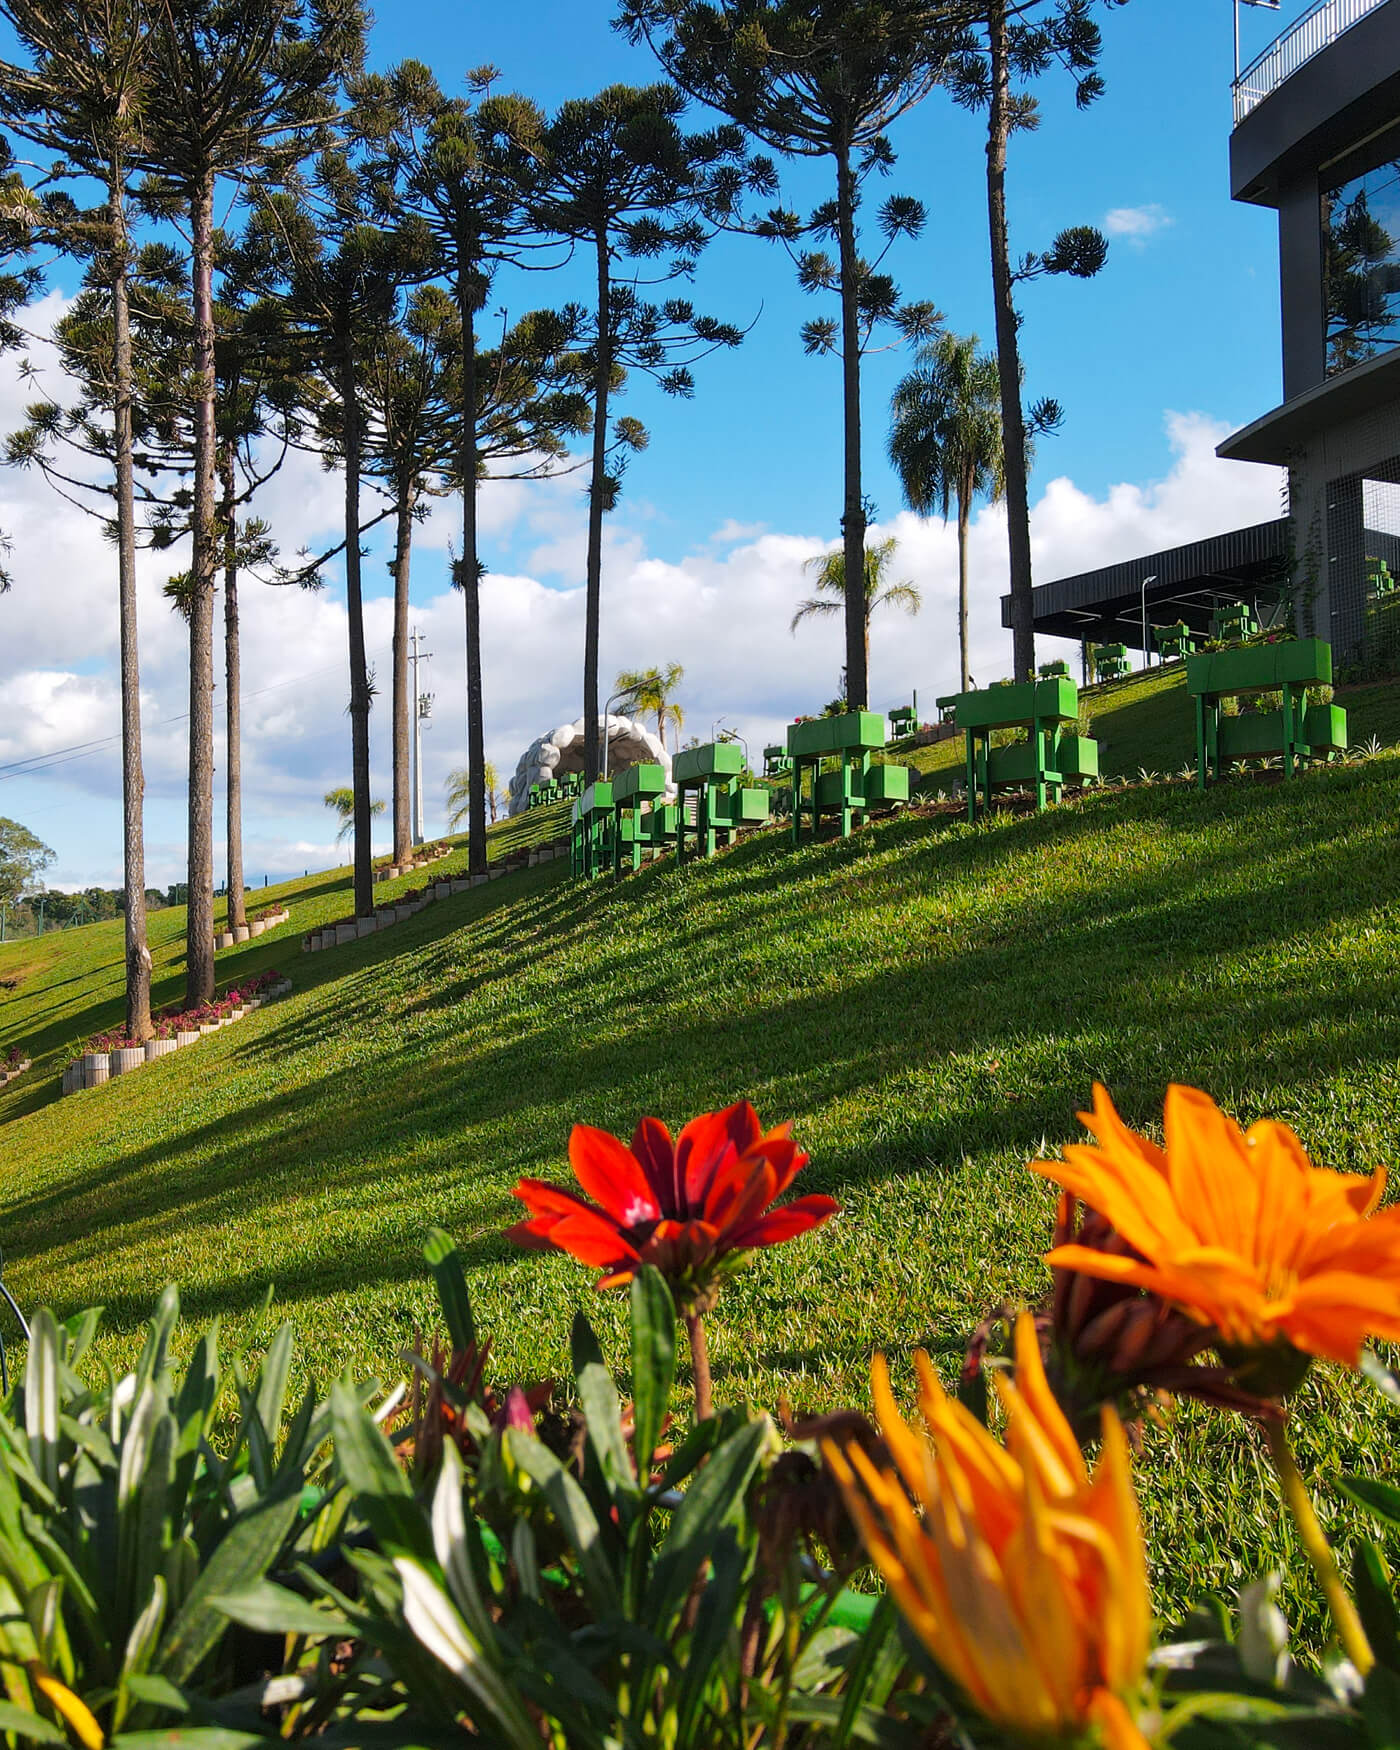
column 1281, row 434
column 1189, row 583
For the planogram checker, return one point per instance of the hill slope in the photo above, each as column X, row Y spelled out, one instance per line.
column 929, row 1003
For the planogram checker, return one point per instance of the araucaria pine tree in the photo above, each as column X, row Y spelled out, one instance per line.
column 823, row 82
column 619, row 177
column 243, row 85
column 83, row 97
column 1018, row 41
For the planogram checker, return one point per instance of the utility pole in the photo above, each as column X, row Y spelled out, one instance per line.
column 422, row 711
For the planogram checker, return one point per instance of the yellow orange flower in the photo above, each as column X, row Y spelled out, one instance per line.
column 1023, row 1575
column 1239, row 1229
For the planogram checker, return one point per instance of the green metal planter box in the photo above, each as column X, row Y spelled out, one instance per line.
column 659, row 824
column 1055, row 699
column 1258, row 668
column 1013, row 765
column 1050, row 670
column 639, row 783
column 1325, row 728
column 748, row 807
column 716, row 759
column 885, row 785
column 595, row 799
column 1076, row 757
column 1256, row 736
column 849, row 733
column 831, row 789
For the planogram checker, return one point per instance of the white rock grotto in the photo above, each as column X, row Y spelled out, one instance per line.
column 630, row 743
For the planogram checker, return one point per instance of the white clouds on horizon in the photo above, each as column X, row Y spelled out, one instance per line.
column 721, row 609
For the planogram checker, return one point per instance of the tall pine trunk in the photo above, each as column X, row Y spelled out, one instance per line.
column 468, row 462
column 1018, row 518
column 403, row 706
column 593, row 608
column 233, row 704
column 354, row 607
column 853, row 502
column 199, row 925
column 138, row 955
column 964, row 519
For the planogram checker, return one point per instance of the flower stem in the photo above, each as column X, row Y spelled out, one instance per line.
column 700, row 1366
column 1295, row 1494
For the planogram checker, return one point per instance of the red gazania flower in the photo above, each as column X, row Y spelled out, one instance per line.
column 693, row 1207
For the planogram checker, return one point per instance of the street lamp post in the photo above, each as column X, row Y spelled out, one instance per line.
column 1146, row 648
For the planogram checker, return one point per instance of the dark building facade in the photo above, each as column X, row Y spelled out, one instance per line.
column 1317, row 137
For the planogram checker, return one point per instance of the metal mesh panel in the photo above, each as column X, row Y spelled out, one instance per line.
column 1363, row 529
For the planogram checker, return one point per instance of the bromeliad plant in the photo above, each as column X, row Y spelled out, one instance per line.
column 122, row 1520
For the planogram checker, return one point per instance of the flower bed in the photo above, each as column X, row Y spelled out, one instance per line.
column 610, row 1570
column 13, row 1065
column 115, row 1053
column 267, row 919
column 427, row 854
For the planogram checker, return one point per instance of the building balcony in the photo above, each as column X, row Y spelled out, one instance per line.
column 1317, row 29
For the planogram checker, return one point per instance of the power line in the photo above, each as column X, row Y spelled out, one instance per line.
column 82, row 750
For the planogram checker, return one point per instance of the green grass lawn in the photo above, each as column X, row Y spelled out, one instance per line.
column 928, row 1002
column 1144, row 722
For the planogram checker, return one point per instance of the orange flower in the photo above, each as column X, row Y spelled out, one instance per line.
column 693, row 1207
column 1022, row 1575
column 1240, row 1230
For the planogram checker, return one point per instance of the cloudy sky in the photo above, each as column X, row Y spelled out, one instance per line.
column 1174, row 345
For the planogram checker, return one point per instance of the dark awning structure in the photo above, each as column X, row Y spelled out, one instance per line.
column 1188, row 584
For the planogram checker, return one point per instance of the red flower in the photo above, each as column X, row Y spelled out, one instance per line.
column 694, row 1207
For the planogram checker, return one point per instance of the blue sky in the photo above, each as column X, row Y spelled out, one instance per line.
column 1173, row 344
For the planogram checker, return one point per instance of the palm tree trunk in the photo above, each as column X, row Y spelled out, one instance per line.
column 592, row 764
column 468, row 463
column 964, row 519
column 354, row 606
column 853, row 504
column 1013, row 423
column 403, row 802
column 199, row 917
column 138, row 955
column 233, row 709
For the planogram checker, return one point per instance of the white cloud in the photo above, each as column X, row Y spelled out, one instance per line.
column 722, row 610
column 1137, row 224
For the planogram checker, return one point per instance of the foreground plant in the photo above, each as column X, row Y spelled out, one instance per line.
column 1279, row 1260
column 1022, row 1575
column 695, row 1209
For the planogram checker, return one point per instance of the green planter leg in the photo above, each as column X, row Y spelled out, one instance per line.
column 970, row 782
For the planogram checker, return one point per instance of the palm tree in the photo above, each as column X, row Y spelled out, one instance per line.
column 342, row 801
column 831, row 582
column 459, row 793
column 650, row 690
column 945, row 442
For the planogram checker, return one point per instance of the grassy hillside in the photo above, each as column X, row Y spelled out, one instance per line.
column 929, row 1003
column 1144, row 722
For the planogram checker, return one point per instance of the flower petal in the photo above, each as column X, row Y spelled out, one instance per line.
column 786, row 1223
column 611, row 1174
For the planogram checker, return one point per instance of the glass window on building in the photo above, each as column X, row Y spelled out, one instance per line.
column 1361, row 251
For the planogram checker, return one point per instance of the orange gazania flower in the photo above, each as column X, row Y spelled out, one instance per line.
column 1022, row 1575
column 1239, row 1229
column 692, row 1207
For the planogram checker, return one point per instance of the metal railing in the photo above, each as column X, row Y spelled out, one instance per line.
column 1320, row 25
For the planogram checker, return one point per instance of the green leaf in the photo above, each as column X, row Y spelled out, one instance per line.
column 653, row 1362
column 438, row 1627
column 451, row 1547
column 720, row 1610
column 381, row 1490
column 575, row 1516
column 874, row 1673
column 271, row 1390
column 158, row 1692
column 30, row 1727
column 248, row 1549
column 714, row 1499
column 445, row 1262
column 272, row 1610
column 1380, row 1708
column 42, row 1397
column 1371, row 1586
column 1382, row 1499
column 602, row 1410
column 191, row 1738
column 141, row 1644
